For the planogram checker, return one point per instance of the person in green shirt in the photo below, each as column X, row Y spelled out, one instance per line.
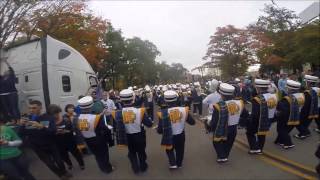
column 11, row 162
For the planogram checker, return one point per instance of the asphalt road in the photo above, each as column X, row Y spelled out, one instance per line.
column 200, row 160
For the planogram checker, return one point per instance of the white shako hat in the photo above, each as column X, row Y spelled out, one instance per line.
column 226, row 89
column 85, row 102
column 213, row 85
column 291, row 84
column 197, row 84
column 164, row 88
column 310, row 78
column 147, row 88
column 261, row 83
column 131, row 88
column 170, row 96
column 126, row 95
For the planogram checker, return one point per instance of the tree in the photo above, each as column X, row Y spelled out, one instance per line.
column 305, row 43
column 114, row 61
column 70, row 22
column 229, row 50
column 129, row 61
column 140, row 56
column 275, row 29
column 11, row 13
column 277, row 19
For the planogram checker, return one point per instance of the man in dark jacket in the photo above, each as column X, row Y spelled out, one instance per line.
column 40, row 133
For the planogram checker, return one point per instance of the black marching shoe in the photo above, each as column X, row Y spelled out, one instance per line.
column 288, row 146
column 299, row 136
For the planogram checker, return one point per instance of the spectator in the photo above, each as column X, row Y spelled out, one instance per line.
column 65, row 139
column 197, row 99
column 97, row 107
column 8, row 94
column 109, row 105
column 282, row 84
column 72, row 117
column 11, row 159
column 40, row 133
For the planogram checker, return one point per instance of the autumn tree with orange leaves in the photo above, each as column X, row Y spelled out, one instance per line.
column 71, row 23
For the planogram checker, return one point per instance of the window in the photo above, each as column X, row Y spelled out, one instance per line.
column 26, row 78
column 63, row 53
column 93, row 81
column 66, row 85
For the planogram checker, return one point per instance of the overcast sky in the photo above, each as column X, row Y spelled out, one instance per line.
column 181, row 29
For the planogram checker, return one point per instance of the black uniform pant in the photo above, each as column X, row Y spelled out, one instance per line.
column 303, row 127
column 50, row 155
column 199, row 107
column 318, row 122
column 223, row 148
column 66, row 145
column 255, row 141
column 150, row 110
column 284, row 133
column 137, row 151
column 176, row 154
column 100, row 149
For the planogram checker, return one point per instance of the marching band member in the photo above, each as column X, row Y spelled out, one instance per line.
column 226, row 115
column 310, row 109
column 137, row 97
column 171, row 125
column 184, row 96
column 212, row 98
column 288, row 113
column 161, row 102
column 147, row 97
column 96, row 133
column 197, row 98
column 263, row 112
column 130, row 131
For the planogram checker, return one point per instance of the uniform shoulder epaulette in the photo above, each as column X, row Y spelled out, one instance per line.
column 96, row 121
column 159, row 114
column 216, row 106
column 287, row 98
column 257, row 99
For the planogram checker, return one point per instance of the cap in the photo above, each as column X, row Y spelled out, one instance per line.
column 310, row 78
column 261, row 83
column 126, row 95
column 226, row 89
column 85, row 102
column 291, row 84
column 214, row 85
column 170, row 96
column 147, row 88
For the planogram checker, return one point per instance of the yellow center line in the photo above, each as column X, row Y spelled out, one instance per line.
column 281, row 158
column 278, row 165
